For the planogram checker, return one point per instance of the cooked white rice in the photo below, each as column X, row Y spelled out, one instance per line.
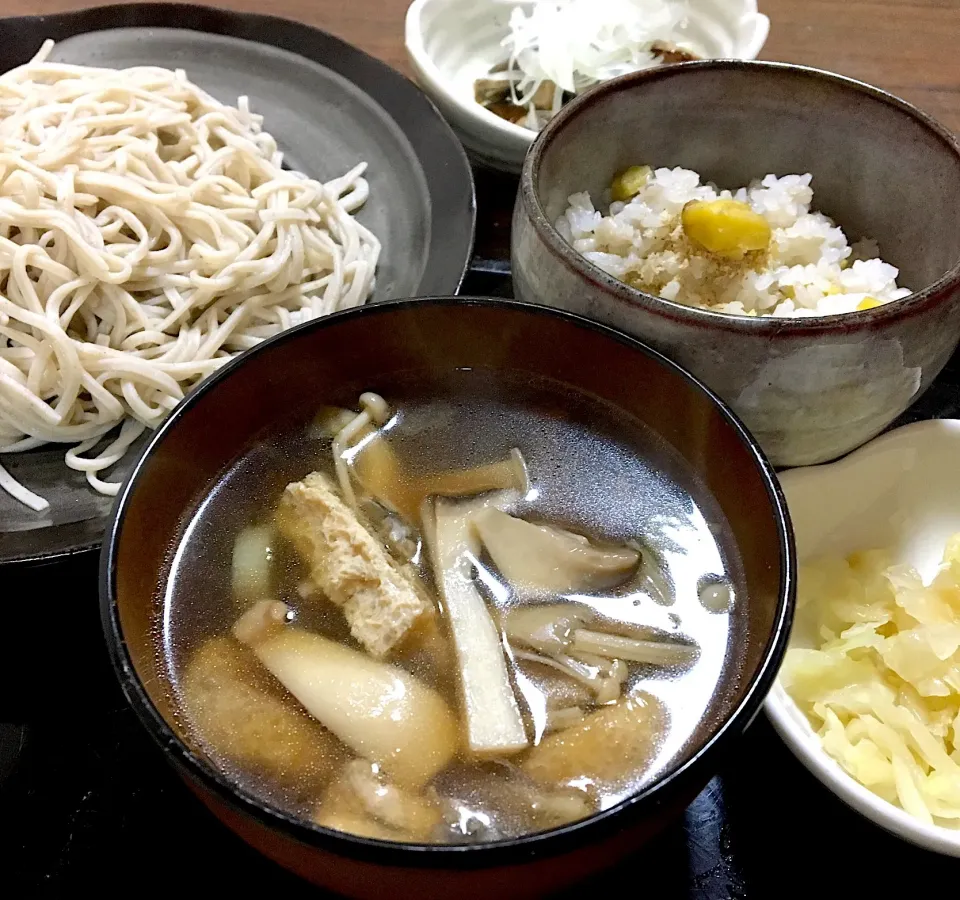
column 810, row 269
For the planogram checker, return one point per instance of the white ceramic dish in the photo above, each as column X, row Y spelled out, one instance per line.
column 902, row 491
column 451, row 43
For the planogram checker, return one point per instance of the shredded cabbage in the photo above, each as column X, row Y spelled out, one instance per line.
column 882, row 687
column 578, row 43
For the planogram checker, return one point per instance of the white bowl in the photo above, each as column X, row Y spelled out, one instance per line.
column 451, row 43
column 901, row 491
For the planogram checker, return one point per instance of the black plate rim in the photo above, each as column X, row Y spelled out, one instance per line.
column 433, row 139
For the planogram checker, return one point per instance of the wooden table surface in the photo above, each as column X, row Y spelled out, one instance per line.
column 905, row 46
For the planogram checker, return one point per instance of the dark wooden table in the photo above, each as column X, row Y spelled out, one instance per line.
column 86, row 801
column 906, row 46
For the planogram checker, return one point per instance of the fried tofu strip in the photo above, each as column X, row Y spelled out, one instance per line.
column 348, row 564
column 235, row 707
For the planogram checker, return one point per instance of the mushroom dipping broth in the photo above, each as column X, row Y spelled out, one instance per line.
column 465, row 610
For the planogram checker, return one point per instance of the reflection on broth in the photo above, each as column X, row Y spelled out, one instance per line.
column 445, row 622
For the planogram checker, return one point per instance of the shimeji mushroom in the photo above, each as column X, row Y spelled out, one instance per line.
column 381, row 474
column 374, row 411
column 384, row 478
column 604, row 677
column 571, row 639
column 615, row 646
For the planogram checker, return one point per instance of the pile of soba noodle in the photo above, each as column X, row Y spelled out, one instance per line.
column 147, row 234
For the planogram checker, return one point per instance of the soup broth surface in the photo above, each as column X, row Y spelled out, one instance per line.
column 592, row 472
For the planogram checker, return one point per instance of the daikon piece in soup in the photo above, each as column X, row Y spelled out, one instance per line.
column 462, row 611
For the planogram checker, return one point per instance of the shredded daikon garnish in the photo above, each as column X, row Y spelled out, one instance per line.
column 578, row 43
column 882, row 686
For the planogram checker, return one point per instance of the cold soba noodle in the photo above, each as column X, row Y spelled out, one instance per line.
column 446, row 622
column 148, row 234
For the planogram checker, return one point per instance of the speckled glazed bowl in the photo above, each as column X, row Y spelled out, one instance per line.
column 810, row 389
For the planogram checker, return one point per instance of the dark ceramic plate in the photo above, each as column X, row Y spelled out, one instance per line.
column 329, row 105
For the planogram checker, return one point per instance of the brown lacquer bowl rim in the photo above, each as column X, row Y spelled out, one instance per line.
column 646, row 802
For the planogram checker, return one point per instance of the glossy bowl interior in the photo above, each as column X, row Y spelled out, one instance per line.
column 280, row 386
column 901, row 492
column 810, row 389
